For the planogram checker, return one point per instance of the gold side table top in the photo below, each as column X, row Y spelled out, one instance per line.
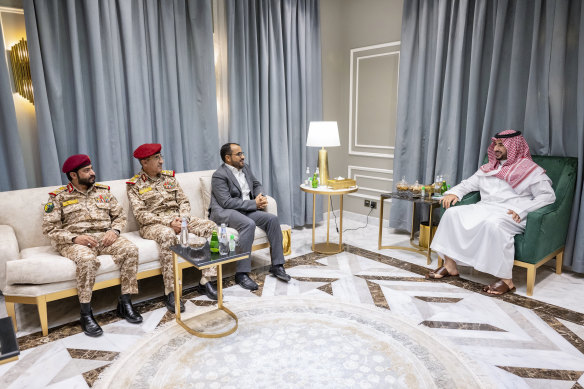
column 210, row 260
column 328, row 247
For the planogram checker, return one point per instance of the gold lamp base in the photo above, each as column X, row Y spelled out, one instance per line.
column 323, row 166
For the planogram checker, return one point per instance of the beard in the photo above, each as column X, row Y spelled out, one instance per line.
column 88, row 182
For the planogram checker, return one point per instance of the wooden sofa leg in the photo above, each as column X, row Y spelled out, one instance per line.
column 42, row 307
column 12, row 313
column 530, row 280
column 559, row 262
column 440, row 262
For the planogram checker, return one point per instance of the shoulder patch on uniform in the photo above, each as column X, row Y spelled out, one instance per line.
column 49, row 207
column 168, row 173
column 57, row 191
column 98, row 185
column 132, row 181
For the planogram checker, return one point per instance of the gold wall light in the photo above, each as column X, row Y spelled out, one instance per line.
column 20, row 62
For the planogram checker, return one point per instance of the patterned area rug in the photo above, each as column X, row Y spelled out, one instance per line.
column 295, row 342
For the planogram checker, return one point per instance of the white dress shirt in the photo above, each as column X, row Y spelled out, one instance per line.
column 240, row 176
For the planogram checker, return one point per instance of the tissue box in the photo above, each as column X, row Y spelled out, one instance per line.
column 341, row 184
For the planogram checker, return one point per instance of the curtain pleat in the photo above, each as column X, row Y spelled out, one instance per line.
column 275, row 90
column 11, row 162
column 109, row 75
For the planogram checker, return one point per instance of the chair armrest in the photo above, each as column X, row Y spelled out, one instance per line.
column 272, row 206
column 469, row 198
column 8, row 251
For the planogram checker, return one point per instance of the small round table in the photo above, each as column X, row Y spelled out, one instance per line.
column 327, row 247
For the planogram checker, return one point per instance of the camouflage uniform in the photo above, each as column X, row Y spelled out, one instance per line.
column 70, row 213
column 156, row 201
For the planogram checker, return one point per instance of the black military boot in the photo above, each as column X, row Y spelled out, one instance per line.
column 169, row 302
column 126, row 310
column 88, row 323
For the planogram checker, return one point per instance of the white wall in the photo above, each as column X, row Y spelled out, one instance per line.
column 354, row 25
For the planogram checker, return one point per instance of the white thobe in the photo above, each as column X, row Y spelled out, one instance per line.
column 482, row 235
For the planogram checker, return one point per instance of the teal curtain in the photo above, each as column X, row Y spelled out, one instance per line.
column 275, row 91
column 11, row 162
column 109, row 75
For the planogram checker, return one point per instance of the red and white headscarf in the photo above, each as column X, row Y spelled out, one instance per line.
column 519, row 164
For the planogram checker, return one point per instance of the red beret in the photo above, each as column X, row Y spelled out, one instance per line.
column 146, row 150
column 75, row 162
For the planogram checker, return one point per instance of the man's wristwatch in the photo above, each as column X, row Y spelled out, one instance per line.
column 116, row 231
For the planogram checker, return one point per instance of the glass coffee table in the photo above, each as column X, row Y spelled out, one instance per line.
column 416, row 200
column 203, row 259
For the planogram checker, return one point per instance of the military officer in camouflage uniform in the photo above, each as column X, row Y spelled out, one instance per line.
column 159, row 204
column 84, row 220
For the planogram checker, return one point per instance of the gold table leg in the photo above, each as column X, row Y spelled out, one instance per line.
column 220, row 306
column 328, row 247
column 416, row 248
column 313, row 217
column 381, row 200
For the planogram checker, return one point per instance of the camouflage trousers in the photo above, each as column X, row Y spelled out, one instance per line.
column 123, row 252
column 166, row 237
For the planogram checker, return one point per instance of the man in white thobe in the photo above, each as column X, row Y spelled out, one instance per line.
column 482, row 235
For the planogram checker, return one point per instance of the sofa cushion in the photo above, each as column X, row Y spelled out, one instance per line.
column 206, row 193
column 34, row 262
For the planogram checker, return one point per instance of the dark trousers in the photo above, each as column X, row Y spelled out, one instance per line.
column 245, row 224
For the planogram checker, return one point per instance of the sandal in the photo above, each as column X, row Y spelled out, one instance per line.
column 441, row 271
column 500, row 287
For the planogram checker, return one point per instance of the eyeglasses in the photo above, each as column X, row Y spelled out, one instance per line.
column 158, row 157
column 240, row 154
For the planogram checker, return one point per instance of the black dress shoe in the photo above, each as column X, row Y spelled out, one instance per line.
column 169, row 301
column 278, row 271
column 89, row 325
column 245, row 282
column 209, row 290
column 126, row 310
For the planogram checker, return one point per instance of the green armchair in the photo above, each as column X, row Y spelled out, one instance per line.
column 546, row 228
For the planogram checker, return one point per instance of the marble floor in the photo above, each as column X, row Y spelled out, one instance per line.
column 522, row 342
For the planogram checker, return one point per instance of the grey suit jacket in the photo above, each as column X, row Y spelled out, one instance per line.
column 226, row 193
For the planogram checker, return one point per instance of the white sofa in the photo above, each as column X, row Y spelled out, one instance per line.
column 32, row 272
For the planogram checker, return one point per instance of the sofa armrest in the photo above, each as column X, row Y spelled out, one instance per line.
column 8, row 251
column 272, row 206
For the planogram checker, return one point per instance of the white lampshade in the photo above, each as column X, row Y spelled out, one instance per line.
column 323, row 134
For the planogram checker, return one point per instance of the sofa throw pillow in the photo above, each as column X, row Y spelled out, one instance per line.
column 206, row 194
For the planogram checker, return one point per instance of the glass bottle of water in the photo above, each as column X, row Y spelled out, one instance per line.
column 308, row 177
column 317, row 173
column 184, row 233
column 232, row 243
column 223, row 241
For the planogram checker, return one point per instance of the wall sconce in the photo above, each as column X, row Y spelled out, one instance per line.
column 21, row 70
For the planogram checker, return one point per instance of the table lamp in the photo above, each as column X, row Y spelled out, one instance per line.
column 323, row 134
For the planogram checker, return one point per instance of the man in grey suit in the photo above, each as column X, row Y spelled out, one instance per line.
column 237, row 199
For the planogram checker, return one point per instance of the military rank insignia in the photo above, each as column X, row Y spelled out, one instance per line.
column 49, row 207
column 169, row 184
column 103, row 199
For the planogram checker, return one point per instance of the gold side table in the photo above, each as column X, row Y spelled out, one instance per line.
column 433, row 204
column 211, row 259
column 327, row 247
